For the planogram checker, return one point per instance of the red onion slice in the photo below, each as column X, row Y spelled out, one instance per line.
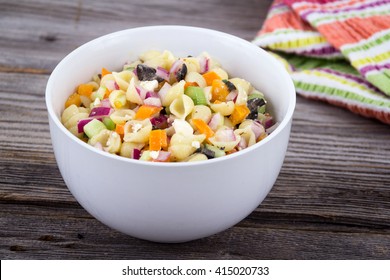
column 232, row 95
column 257, row 129
column 268, row 122
column 242, row 144
column 100, row 111
column 81, row 124
column 151, row 94
column 99, row 146
column 176, row 66
column 153, row 101
column 225, row 135
column 105, row 103
column 162, row 73
column 163, row 156
column 215, row 121
column 270, row 129
column 111, row 85
column 204, row 64
column 141, row 91
column 160, row 122
column 164, row 90
column 136, row 154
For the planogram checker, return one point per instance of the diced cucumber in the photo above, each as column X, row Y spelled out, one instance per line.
column 93, row 127
column 261, row 117
column 101, row 92
column 261, row 109
column 145, row 156
column 196, row 94
column 218, row 152
column 110, row 125
column 256, row 94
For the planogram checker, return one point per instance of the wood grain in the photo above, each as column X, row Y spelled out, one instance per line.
column 331, row 200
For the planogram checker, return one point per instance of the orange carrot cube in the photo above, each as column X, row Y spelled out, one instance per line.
column 146, row 111
column 85, row 89
column 219, row 91
column 239, row 114
column 210, row 77
column 203, row 128
column 105, row 72
column 73, row 99
column 158, row 140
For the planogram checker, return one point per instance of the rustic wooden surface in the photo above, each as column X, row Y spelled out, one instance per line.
column 331, row 201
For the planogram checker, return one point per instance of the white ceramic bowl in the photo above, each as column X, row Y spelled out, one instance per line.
column 170, row 202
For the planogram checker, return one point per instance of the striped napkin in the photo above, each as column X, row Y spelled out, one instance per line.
column 337, row 51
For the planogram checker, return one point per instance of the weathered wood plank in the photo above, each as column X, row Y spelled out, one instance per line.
column 75, row 22
column 279, row 237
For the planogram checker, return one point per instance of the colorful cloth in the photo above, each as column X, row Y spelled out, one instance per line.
column 339, row 51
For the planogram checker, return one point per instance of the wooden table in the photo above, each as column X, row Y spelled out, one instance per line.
column 331, row 200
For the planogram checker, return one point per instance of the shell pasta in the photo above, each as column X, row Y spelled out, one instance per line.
column 164, row 108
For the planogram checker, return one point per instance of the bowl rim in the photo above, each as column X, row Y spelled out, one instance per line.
column 281, row 125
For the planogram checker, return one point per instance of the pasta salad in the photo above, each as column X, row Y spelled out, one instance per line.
column 167, row 109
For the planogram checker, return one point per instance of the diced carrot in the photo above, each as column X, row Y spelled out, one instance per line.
column 190, row 84
column 120, row 129
column 73, row 99
column 146, row 111
column 85, row 89
column 210, row 77
column 105, row 72
column 239, row 114
column 158, row 140
column 219, row 91
column 164, row 139
column 203, row 128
